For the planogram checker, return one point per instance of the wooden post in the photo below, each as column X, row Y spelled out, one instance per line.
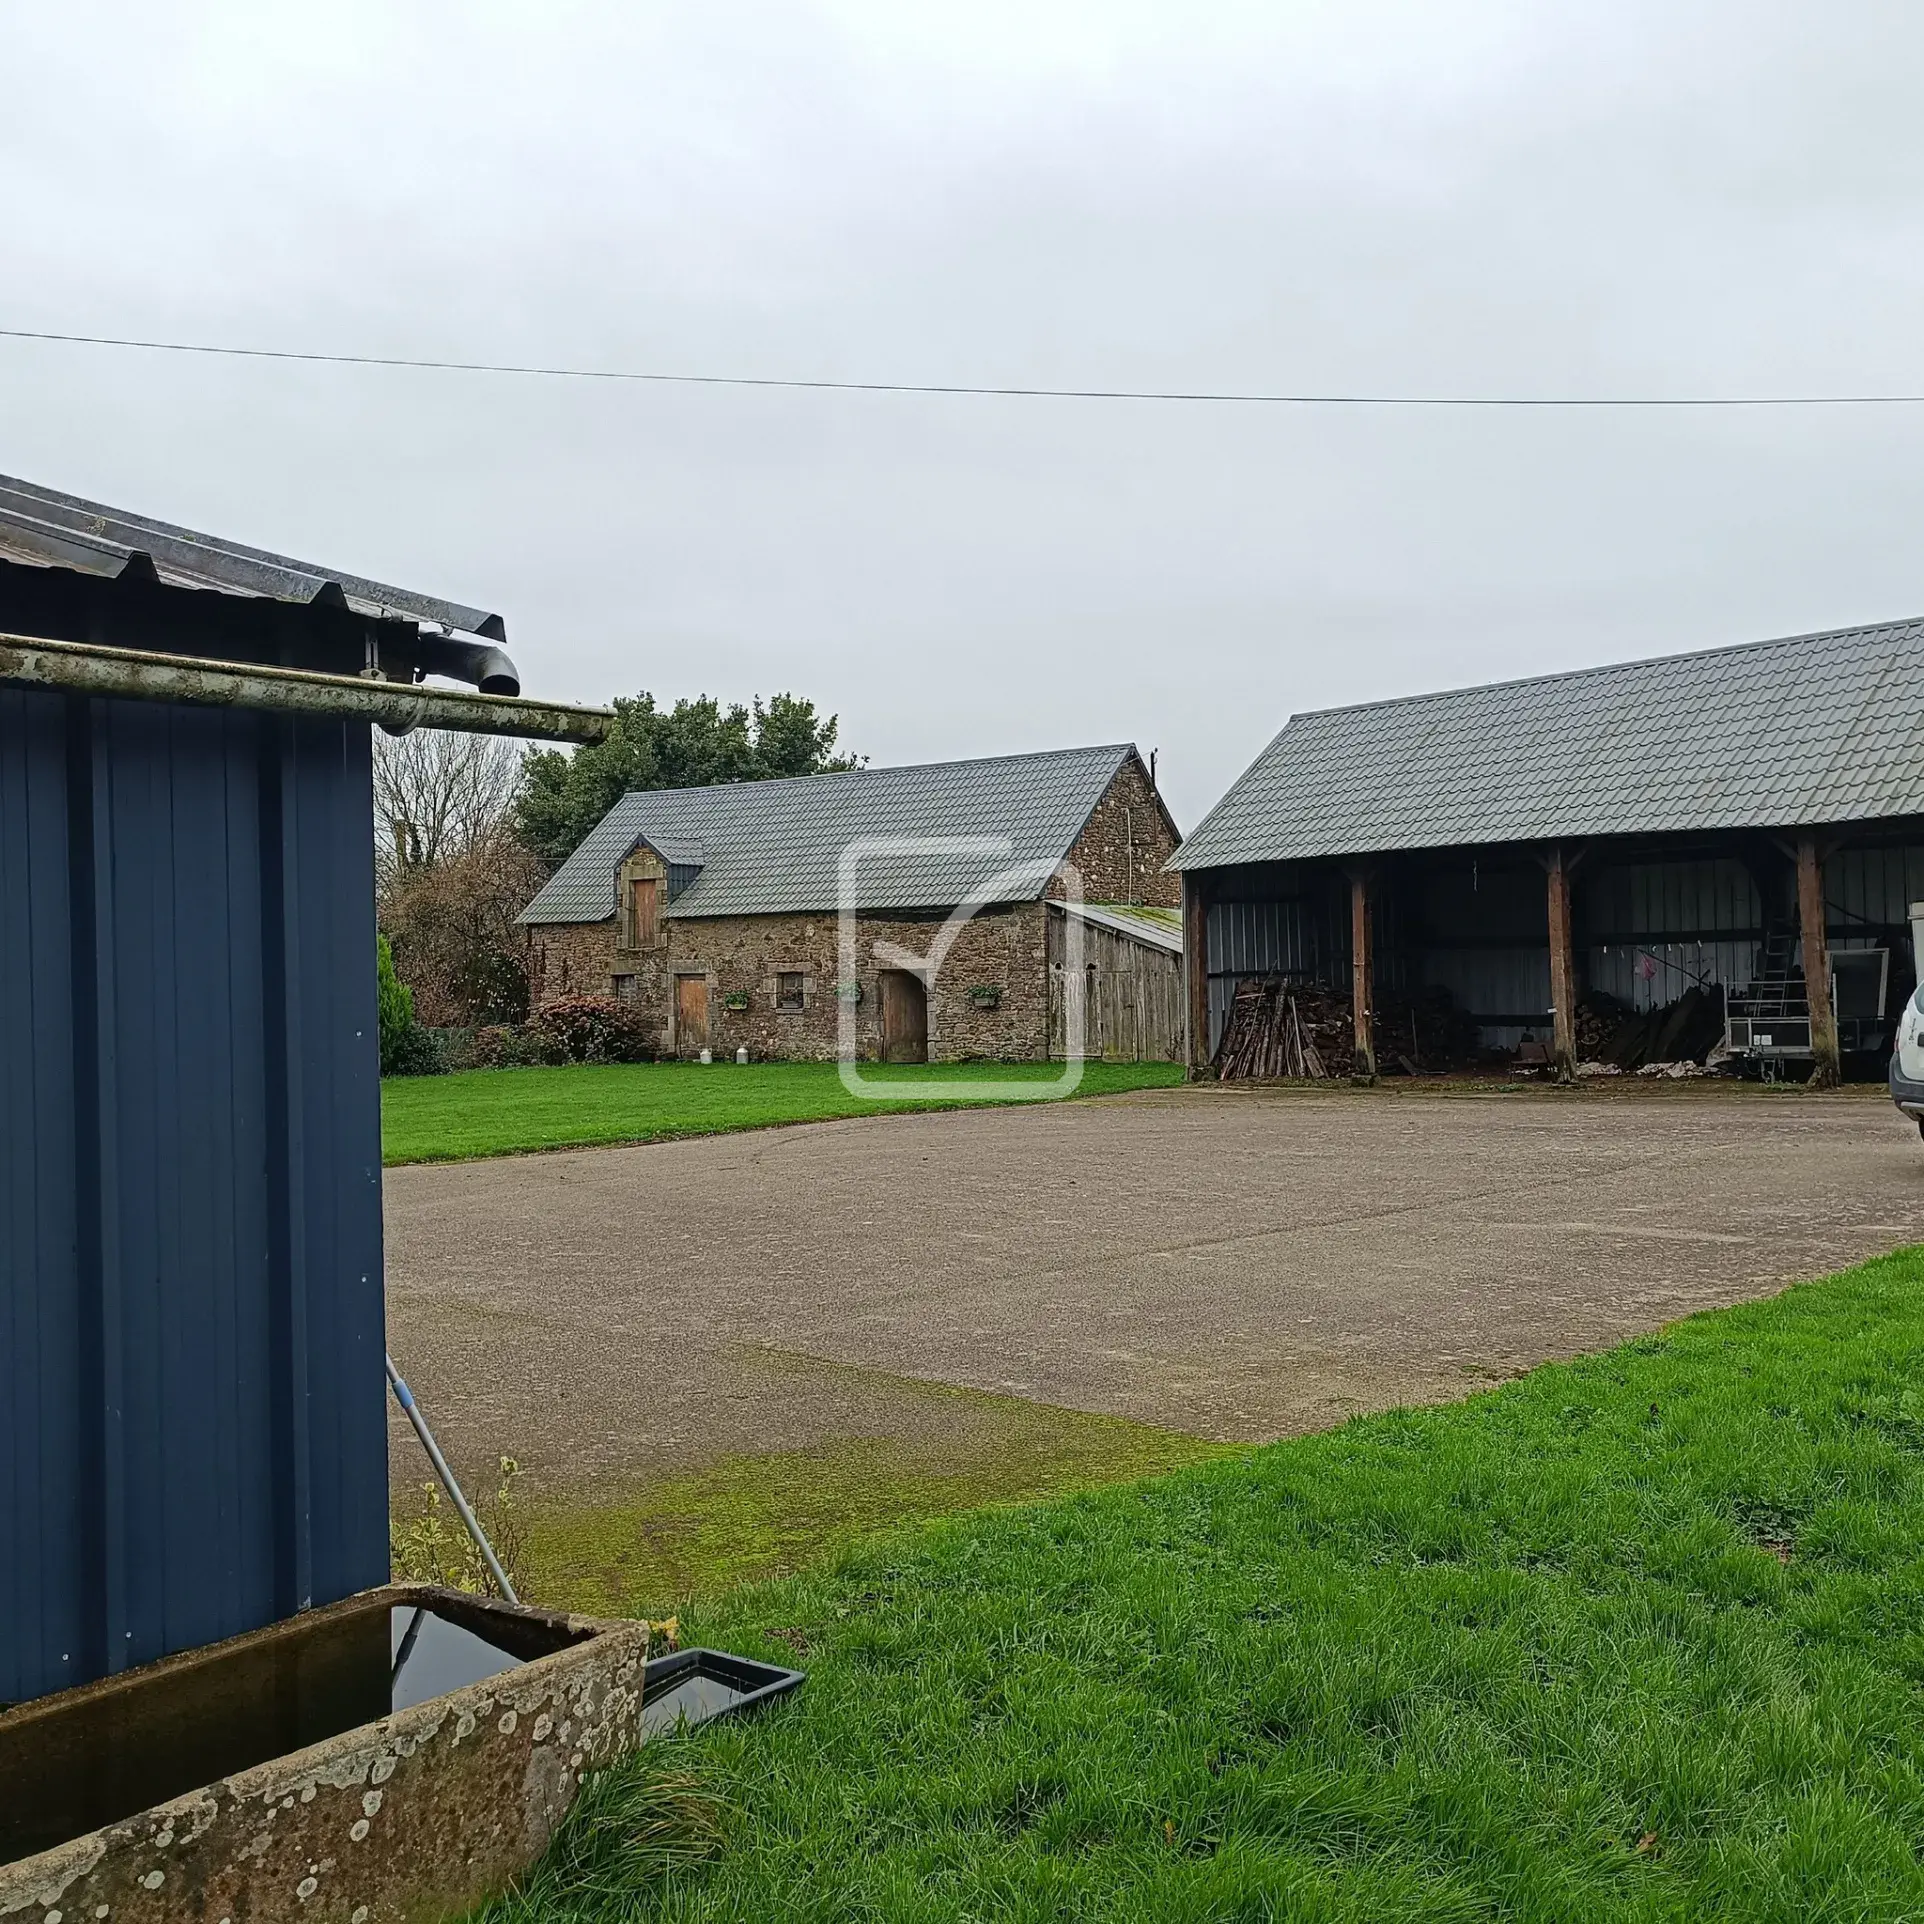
column 1195, row 962
column 1810, row 915
column 1563, row 970
column 1362, row 968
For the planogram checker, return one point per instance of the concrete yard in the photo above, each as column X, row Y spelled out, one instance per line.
column 1234, row 1264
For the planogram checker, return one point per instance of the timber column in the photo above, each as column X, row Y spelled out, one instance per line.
column 1195, row 965
column 1563, row 970
column 1362, row 974
column 1825, row 1067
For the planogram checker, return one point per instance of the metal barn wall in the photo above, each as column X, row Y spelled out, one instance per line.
column 1303, row 936
column 192, row 1434
column 1872, row 886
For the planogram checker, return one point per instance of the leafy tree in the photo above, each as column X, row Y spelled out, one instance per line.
column 691, row 745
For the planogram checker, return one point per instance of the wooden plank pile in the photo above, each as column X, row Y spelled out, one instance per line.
column 1279, row 1026
column 1686, row 1030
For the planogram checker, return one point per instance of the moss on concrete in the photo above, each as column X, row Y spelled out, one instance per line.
column 656, row 1544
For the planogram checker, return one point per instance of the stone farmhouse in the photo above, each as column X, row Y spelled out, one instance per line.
column 716, row 911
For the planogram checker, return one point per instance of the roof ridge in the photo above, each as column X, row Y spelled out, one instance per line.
column 1601, row 668
column 764, row 782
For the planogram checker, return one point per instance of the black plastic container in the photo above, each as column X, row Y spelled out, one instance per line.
column 693, row 1687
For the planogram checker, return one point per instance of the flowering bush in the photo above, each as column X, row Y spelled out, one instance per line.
column 588, row 1028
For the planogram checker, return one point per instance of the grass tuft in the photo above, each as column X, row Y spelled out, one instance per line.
column 632, row 1826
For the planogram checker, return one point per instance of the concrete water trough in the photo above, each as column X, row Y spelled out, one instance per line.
column 396, row 1756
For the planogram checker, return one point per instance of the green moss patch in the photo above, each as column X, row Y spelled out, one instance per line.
column 650, row 1549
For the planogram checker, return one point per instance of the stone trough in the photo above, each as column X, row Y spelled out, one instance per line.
column 396, row 1756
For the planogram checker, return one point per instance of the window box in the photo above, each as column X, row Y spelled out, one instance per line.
column 736, row 1000
column 986, row 995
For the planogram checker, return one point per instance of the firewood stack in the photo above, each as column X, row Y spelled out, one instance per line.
column 1279, row 1028
column 1685, row 1030
column 1282, row 1027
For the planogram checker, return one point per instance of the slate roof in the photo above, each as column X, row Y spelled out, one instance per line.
column 771, row 848
column 1771, row 734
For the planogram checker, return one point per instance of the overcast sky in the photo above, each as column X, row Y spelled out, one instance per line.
column 1601, row 197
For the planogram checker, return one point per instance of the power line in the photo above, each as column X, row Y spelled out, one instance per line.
column 1333, row 399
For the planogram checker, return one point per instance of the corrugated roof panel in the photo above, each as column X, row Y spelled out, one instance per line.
column 1806, row 730
column 45, row 526
column 770, row 848
column 1160, row 928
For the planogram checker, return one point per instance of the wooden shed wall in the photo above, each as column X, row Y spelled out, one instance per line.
column 1127, row 994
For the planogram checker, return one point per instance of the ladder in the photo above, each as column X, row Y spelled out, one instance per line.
column 1770, row 1019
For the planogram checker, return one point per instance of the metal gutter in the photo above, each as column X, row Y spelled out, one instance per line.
column 132, row 674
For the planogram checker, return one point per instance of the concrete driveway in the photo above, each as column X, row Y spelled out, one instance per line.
column 1234, row 1264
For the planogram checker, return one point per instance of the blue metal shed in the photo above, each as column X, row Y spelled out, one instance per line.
column 192, row 1422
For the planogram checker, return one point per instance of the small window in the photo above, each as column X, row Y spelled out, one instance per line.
column 641, row 912
column 788, row 990
column 624, row 988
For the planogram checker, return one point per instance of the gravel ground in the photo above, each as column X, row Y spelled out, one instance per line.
column 1237, row 1264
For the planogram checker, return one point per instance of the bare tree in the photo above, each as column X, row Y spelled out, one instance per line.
column 438, row 795
column 451, row 872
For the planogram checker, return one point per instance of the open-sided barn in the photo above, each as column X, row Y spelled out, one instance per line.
column 1531, row 861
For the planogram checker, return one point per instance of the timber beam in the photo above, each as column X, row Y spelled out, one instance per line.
column 1362, row 974
column 1195, row 963
column 1826, row 1066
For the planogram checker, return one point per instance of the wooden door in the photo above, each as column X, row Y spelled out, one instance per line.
column 691, row 1014
column 905, row 1017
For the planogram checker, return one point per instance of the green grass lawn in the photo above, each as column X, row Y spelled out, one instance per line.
column 498, row 1112
column 1639, row 1637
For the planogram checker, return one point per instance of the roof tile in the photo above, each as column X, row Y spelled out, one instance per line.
column 769, row 848
column 1811, row 729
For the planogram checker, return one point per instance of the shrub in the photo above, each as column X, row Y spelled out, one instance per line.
column 396, row 1003
column 498, row 1046
column 433, row 1545
column 407, row 1049
column 588, row 1028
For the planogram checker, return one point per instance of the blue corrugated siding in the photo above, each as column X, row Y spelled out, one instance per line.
column 190, row 1267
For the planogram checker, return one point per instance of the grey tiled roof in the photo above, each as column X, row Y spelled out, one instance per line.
column 770, row 848
column 1812, row 729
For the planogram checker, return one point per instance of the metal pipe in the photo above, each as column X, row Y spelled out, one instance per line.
column 133, row 674
column 412, row 1410
column 480, row 662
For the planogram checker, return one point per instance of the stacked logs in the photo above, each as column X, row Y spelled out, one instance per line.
column 1279, row 1026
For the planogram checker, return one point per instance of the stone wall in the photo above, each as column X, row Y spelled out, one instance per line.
column 742, row 956
column 570, row 958
column 1123, row 850
column 1121, row 853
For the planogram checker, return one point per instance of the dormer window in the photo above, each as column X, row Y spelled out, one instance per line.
column 644, row 912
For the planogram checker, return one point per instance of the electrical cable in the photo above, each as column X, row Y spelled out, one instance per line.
column 1180, row 395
